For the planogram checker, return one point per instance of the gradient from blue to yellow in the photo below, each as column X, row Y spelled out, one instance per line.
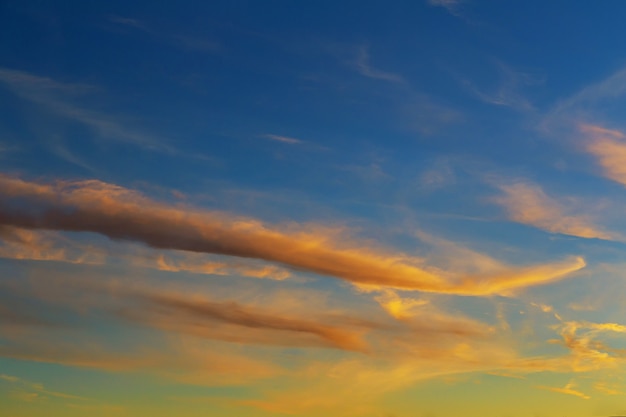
column 370, row 209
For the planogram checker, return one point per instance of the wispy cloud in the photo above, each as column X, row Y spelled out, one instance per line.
column 363, row 66
column 508, row 92
column 230, row 321
column 35, row 390
column 56, row 97
column 59, row 148
column 189, row 262
column 440, row 174
column 422, row 317
column 584, row 105
column 120, row 213
column 567, row 389
column 428, row 116
column 452, row 6
column 528, row 204
column 17, row 243
column 189, row 362
column 128, row 21
column 182, row 41
column 609, row 148
column 478, row 273
column 368, row 173
column 607, row 388
column 587, row 352
column 611, row 87
column 283, row 139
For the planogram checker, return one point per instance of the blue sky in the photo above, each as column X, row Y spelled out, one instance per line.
column 260, row 208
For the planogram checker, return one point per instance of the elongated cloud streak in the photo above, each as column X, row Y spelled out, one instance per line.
column 528, row 204
column 23, row 244
column 34, row 386
column 284, row 139
column 567, row 389
column 199, row 317
column 116, row 212
column 190, row 363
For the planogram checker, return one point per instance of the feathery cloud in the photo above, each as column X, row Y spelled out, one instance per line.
column 226, row 319
column 507, row 92
column 529, row 204
column 610, row 88
column 587, row 353
column 609, row 148
column 18, row 243
column 452, row 6
column 363, row 66
column 187, row 361
column 39, row 389
column 567, row 389
column 56, row 96
column 585, row 104
column 284, row 139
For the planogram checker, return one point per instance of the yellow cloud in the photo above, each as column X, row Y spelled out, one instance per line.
column 606, row 388
column 398, row 307
column 567, row 389
column 587, row 353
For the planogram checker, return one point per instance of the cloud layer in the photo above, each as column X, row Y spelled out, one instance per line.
column 119, row 213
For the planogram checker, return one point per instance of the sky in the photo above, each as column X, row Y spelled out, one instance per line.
column 338, row 208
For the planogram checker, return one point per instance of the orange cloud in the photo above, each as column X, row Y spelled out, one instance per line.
column 119, row 213
column 18, row 243
column 528, row 204
column 232, row 321
column 424, row 319
column 425, row 343
column 186, row 361
column 609, row 147
column 249, row 322
column 193, row 264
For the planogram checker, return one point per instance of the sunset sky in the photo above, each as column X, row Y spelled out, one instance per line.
column 322, row 208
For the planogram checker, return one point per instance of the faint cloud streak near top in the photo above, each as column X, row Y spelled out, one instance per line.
column 452, row 6
column 284, row 139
